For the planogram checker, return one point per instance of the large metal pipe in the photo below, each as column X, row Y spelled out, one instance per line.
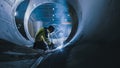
column 7, row 31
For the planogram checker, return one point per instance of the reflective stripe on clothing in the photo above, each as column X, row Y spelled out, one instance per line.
column 42, row 36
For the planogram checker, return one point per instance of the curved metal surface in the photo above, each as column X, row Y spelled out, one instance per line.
column 8, row 27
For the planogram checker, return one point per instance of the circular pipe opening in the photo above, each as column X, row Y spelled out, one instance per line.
column 62, row 17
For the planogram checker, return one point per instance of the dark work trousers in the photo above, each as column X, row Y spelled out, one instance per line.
column 40, row 45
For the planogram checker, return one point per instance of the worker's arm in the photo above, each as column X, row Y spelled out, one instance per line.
column 44, row 40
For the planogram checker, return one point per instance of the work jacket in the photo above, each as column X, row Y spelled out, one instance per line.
column 42, row 36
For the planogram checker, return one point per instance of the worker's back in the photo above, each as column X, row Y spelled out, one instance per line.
column 40, row 39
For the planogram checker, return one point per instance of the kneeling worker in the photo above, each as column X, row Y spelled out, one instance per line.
column 41, row 39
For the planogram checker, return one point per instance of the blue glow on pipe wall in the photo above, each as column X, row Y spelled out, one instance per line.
column 56, row 14
column 19, row 17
